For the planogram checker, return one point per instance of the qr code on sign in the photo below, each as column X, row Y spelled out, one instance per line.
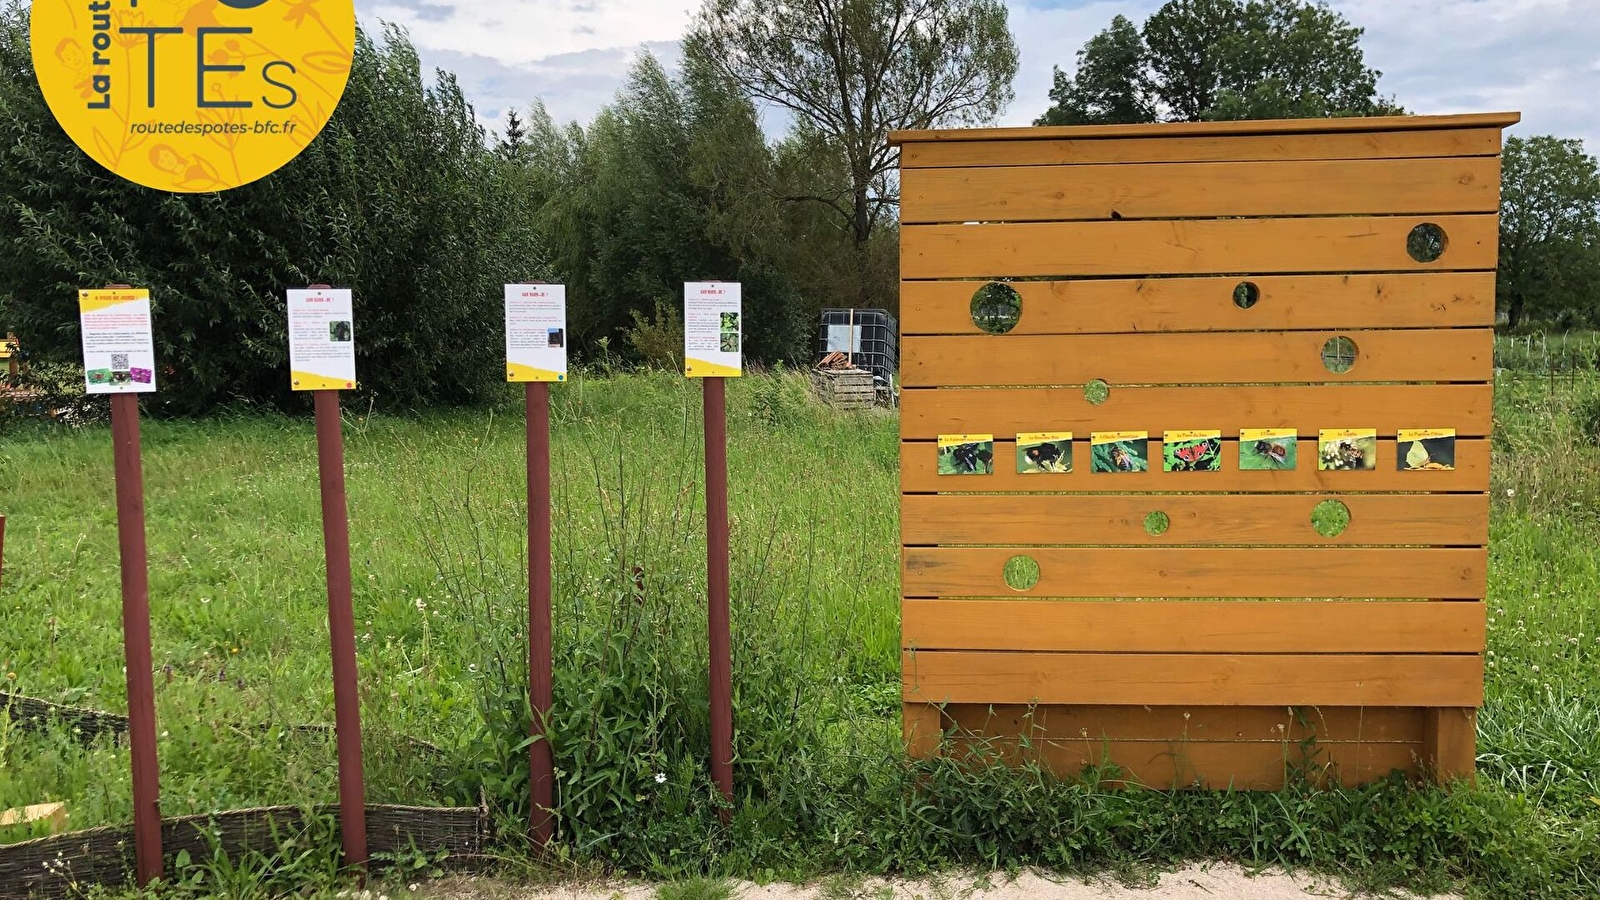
column 119, row 362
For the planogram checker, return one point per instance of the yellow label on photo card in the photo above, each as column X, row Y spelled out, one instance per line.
column 966, row 454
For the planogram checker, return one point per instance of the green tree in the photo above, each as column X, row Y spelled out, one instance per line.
column 668, row 184
column 851, row 71
column 399, row 199
column 513, row 145
column 1549, row 232
column 1110, row 86
column 1221, row 59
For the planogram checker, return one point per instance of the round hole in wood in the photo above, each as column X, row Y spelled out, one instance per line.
column 1330, row 518
column 1246, row 294
column 1156, row 523
column 1021, row 573
column 1096, row 392
column 996, row 307
column 1427, row 242
column 1339, row 354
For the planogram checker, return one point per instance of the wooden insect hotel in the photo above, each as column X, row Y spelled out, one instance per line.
column 1259, row 608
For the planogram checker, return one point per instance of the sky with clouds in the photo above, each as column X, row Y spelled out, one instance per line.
column 1541, row 57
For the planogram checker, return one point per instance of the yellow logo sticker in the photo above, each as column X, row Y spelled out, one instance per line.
column 192, row 96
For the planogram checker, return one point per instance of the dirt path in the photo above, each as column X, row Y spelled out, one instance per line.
column 1195, row 882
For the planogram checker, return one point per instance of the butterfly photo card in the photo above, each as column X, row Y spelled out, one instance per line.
column 1191, row 451
column 1425, row 449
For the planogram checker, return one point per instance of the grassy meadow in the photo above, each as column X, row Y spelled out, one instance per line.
column 437, row 526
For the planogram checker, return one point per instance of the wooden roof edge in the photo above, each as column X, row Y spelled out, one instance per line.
column 1213, row 129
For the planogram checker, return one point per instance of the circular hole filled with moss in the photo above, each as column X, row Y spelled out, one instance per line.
column 1021, row 573
column 1330, row 518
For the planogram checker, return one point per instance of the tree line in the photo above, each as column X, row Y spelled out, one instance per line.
column 409, row 201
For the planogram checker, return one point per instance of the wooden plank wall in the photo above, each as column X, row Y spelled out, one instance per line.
column 1240, row 644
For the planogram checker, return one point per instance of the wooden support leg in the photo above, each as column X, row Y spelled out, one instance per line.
column 1450, row 743
column 921, row 726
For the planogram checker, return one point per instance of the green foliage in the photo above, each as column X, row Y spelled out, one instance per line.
column 658, row 340
column 667, row 185
column 1220, row 59
column 696, row 889
column 1549, row 233
column 398, row 198
column 1110, row 86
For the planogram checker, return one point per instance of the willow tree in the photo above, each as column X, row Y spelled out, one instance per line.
column 851, row 71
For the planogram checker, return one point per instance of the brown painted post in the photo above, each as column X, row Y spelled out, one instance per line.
column 541, row 759
column 136, row 637
column 716, row 422
column 341, row 627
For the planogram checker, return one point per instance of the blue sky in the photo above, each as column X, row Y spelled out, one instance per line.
column 1541, row 57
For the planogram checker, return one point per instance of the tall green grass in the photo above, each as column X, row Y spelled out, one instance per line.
column 438, row 530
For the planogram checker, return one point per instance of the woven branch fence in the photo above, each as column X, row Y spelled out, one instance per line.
column 31, row 713
column 67, row 865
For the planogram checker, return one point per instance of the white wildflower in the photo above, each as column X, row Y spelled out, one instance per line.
column 661, row 778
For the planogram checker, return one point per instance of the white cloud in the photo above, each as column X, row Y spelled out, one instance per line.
column 517, row 32
column 1541, row 57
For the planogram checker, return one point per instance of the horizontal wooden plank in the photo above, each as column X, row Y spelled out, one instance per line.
column 1433, row 520
column 1193, row 724
column 1203, row 148
column 1215, row 766
column 1285, row 303
column 919, row 474
column 1402, row 573
column 927, row 413
column 1194, row 626
column 1162, row 130
column 1277, row 357
column 960, row 676
column 1344, row 124
column 1468, row 184
column 1191, row 247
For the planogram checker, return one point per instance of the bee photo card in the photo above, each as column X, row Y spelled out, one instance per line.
column 1267, row 448
column 1353, row 449
column 1420, row 449
column 1044, row 452
column 1191, row 451
column 966, row 454
column 1119, row 451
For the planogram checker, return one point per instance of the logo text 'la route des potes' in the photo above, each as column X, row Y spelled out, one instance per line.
column 192, row 96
